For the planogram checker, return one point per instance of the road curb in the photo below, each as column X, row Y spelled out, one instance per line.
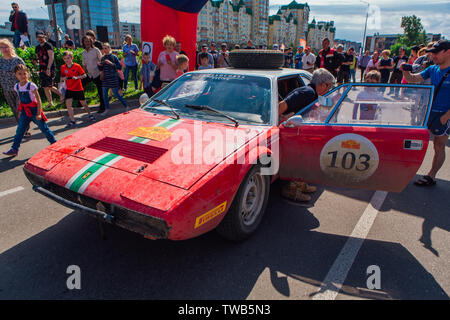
column 63, row 112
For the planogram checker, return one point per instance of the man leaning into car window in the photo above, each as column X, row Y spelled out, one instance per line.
column 321, row 82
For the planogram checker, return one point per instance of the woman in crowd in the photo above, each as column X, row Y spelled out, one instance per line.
column 167, row 61
column 109, row 67
column 8, row 62
column 385, row 66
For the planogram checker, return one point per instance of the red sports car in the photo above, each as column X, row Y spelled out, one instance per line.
column 203, row 151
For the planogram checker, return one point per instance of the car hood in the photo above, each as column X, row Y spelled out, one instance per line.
column 178, row 152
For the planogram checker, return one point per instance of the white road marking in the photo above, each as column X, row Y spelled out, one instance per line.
column 338, row 273
column 4, row 193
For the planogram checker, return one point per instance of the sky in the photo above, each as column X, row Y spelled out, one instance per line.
column 435, row 14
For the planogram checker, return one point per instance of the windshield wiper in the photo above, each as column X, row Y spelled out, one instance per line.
column 167, row 105
column 236, row 123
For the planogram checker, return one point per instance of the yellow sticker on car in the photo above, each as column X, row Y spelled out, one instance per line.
column 159, row 132
column 211, row 214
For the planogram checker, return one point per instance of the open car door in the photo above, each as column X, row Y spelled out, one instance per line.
column 367, row 136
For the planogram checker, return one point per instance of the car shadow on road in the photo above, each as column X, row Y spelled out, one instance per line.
column 428, row 203
column 285, row 248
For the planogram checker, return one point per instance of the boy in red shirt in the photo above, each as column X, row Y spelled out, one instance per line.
column 72, row 73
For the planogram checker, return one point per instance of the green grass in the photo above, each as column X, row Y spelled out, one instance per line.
column 91, row 98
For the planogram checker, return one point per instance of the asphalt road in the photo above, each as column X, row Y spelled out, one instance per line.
column 321, row 251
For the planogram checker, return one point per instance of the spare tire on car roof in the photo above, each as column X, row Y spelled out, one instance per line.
column 256, row 59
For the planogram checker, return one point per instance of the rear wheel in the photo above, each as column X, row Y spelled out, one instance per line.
column 247, row 208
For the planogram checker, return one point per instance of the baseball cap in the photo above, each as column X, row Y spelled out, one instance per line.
column 439, row 46
column 40, row 33
column 204, row 45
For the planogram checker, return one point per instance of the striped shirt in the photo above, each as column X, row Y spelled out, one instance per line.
column 110, row 77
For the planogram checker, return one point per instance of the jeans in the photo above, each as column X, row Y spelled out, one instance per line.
column 134, row 74
column 17, row 35
column 24, row 124
column 98, row 84
column 353, row 74
column 116, row 94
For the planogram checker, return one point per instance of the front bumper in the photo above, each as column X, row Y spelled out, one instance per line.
column 148, row 226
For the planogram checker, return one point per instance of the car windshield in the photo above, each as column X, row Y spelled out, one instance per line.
column 244, row 98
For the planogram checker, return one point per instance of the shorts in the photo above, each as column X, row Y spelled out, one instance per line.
column 45, row 80
column 76, row 95
column 431, row 119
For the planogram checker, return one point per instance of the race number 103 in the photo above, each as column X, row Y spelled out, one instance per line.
column 349, row 157
column 349, row 160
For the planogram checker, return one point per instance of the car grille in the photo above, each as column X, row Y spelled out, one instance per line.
column 148, row 226
column 129, row 149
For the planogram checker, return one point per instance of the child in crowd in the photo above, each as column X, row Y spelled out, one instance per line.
column 182, row 64
column 30, row 109
column 147, row 74
column 109, row 66
column 167, row 61
column 204, row 61
column 72, row 73
column 368, row 111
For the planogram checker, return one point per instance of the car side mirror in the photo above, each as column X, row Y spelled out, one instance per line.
column 294, row 122
column 143, row 99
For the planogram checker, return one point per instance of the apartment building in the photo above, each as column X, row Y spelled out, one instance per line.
column 319, row 31
column 231, row 21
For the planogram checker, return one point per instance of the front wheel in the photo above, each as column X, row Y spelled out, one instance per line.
column 247, row 208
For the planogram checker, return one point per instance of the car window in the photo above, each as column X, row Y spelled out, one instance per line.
column 319, row 111
column 405, row 106
column 245, row 98
column 287, row 85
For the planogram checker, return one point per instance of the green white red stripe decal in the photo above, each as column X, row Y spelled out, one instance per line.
column 84, row 177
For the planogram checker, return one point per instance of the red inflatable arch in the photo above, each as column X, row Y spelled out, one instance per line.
column 177, row 18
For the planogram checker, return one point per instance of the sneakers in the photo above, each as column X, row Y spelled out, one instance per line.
column 71, row 124
column 91, row 117
column 105, row 113
column 11, row 152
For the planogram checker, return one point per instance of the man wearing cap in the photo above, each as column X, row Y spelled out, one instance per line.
column 439, row 120
column 298, row 62
column 308, row 60
column 214, row 53
column 224, row 60
column 210, row 57
column 47, row 69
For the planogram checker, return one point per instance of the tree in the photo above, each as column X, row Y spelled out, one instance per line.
column 413, row 31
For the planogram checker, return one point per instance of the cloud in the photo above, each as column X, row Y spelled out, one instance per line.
column 435, row 15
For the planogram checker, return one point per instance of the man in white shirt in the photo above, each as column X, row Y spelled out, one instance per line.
column 308, row 60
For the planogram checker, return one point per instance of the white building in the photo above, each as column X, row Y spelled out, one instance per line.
column 319, row 31
column 133, row 29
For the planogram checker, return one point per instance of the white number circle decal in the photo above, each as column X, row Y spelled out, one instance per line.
column 349, row 158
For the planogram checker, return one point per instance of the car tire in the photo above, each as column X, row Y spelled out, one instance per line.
column 256, row 59
column 248, row 207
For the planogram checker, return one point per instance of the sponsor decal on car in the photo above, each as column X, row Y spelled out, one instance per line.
column 160, row 132
column 349, row 157
column 211, row 214
column 84, row 177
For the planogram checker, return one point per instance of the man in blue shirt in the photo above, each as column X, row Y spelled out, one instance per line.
column 440, row 109
column 298, row 58
column 130, row 51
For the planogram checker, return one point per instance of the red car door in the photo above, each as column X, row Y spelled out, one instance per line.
column 367, row 136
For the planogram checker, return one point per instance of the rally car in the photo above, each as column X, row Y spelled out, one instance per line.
column 202, row 153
